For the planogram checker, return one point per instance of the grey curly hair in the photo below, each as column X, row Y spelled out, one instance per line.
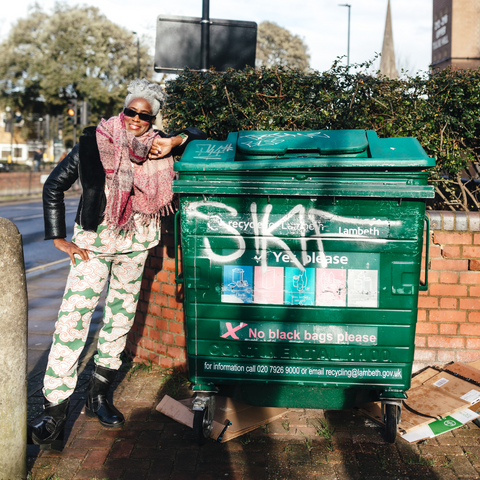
column 151, row 92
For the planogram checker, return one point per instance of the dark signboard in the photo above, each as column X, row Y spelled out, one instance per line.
column 178, row 44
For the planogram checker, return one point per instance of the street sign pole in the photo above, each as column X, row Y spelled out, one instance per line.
column 205, row 46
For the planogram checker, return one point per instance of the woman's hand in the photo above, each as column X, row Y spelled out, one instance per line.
column 70, row 249
column 162, row 147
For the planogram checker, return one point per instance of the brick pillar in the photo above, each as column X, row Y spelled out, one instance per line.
column 158, row 334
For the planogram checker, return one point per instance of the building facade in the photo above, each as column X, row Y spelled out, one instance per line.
column 456, row 34
column 14, row 148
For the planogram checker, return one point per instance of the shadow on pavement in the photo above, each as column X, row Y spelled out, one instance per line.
column 316, row 444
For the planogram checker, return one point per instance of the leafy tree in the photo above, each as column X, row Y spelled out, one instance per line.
column 277, row 46
column 74, row 52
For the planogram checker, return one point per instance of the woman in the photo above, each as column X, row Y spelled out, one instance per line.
column 125, row 192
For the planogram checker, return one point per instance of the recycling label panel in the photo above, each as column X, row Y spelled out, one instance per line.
column 328, row 279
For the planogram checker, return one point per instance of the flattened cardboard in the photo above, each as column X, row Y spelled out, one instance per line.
column 244, row 418
column 434, row 399
column 183, row 414
column 176, row 410
column 475, row 364
column 419, row 379
column 433, row 395
column 466, row 370
column 469, row 373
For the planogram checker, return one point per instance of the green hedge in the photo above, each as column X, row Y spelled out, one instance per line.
column 441, row 110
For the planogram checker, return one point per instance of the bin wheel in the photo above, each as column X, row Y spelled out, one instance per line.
column 202, row 425
column 391, row 420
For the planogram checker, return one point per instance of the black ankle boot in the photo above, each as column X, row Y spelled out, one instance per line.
column 48, row 429
column 97, row 404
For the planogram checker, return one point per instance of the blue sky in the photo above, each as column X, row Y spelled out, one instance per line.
column 322, row 24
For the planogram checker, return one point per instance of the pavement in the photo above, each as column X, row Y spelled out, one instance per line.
column 311, row 444
column 45, row 287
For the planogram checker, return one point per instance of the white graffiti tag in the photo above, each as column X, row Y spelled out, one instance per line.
column 266, row 231
column 276, row 138
column 193, row 210
column 267, row 236
column 263, row 233
column 212, row 152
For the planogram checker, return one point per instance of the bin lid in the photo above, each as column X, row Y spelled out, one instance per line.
column 305, row 144
column 278, row 150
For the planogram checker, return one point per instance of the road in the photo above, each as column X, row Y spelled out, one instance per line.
column 28, row 217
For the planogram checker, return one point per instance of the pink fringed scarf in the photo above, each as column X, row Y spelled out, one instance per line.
column 136, row 185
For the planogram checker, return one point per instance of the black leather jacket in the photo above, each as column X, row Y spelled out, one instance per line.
column 84, row 162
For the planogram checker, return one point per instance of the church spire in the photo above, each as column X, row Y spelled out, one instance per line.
column 387, row 62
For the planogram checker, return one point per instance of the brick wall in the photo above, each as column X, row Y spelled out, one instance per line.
column 158, row 334
column 21, row 183
column 448, row 327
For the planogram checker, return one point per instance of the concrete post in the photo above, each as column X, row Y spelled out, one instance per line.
column 13, row 354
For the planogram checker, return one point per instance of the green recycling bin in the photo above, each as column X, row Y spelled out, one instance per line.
column 301, row 258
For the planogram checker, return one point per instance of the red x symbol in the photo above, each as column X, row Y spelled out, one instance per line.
column 231, row 330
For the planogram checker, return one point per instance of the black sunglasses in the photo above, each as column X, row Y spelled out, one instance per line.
column 142, row 116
